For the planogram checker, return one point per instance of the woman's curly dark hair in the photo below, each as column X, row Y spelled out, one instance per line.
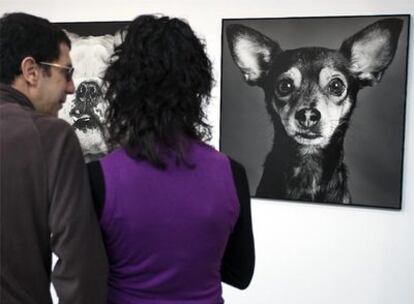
column 158, row 82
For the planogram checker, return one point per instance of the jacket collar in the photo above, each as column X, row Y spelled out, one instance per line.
column 10, row 94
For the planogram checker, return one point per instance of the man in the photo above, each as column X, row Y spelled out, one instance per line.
column 45, row 202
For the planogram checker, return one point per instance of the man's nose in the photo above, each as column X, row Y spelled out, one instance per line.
column 70, row 87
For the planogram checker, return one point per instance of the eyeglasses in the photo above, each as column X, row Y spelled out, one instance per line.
column 68, row 70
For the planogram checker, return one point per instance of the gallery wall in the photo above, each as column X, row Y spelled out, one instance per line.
column 305, row 253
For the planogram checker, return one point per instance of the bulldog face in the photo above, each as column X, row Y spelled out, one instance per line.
column 85, row 109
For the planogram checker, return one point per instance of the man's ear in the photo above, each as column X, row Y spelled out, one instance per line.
column 30, row 70
column 372, row 49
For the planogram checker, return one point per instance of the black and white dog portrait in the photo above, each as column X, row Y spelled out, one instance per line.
column 308, row 76
column 85, row 109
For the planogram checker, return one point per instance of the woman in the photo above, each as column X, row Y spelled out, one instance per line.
column 175, row 213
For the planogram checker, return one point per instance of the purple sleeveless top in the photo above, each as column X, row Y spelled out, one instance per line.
column 166, row 231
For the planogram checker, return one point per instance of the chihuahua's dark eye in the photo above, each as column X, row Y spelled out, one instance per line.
column 336, row 87
column 284, row 87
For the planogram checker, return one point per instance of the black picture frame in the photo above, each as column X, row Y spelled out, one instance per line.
column 374, row 141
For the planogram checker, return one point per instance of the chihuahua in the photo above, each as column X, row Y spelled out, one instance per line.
column 310, row 94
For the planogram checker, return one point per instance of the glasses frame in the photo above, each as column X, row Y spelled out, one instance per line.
column 68, row 70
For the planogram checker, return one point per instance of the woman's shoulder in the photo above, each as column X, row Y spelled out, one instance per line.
column 211, row 152
column 115, row 155
column 206, row 150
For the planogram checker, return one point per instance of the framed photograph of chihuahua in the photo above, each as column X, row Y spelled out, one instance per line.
column 314, row 108
column 92, row 45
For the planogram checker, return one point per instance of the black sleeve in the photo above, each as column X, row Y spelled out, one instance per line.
column 97, row 186
column 238, row 262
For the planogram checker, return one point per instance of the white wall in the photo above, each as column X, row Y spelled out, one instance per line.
column 306, row 253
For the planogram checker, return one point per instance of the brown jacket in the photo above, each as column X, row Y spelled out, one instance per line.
column 45, row 207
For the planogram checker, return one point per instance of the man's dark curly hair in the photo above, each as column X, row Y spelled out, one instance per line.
column 158, row 82
column 23, row 35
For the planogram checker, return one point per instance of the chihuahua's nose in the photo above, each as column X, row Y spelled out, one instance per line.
column 307, row 118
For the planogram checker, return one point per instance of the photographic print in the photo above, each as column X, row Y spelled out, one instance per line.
column 314, row 108
column 92, row 46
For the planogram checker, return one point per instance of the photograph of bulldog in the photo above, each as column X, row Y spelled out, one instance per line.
column 92, row 47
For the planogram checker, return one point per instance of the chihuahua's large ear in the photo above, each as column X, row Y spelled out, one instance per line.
column 251, row 51
column 372, row 49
